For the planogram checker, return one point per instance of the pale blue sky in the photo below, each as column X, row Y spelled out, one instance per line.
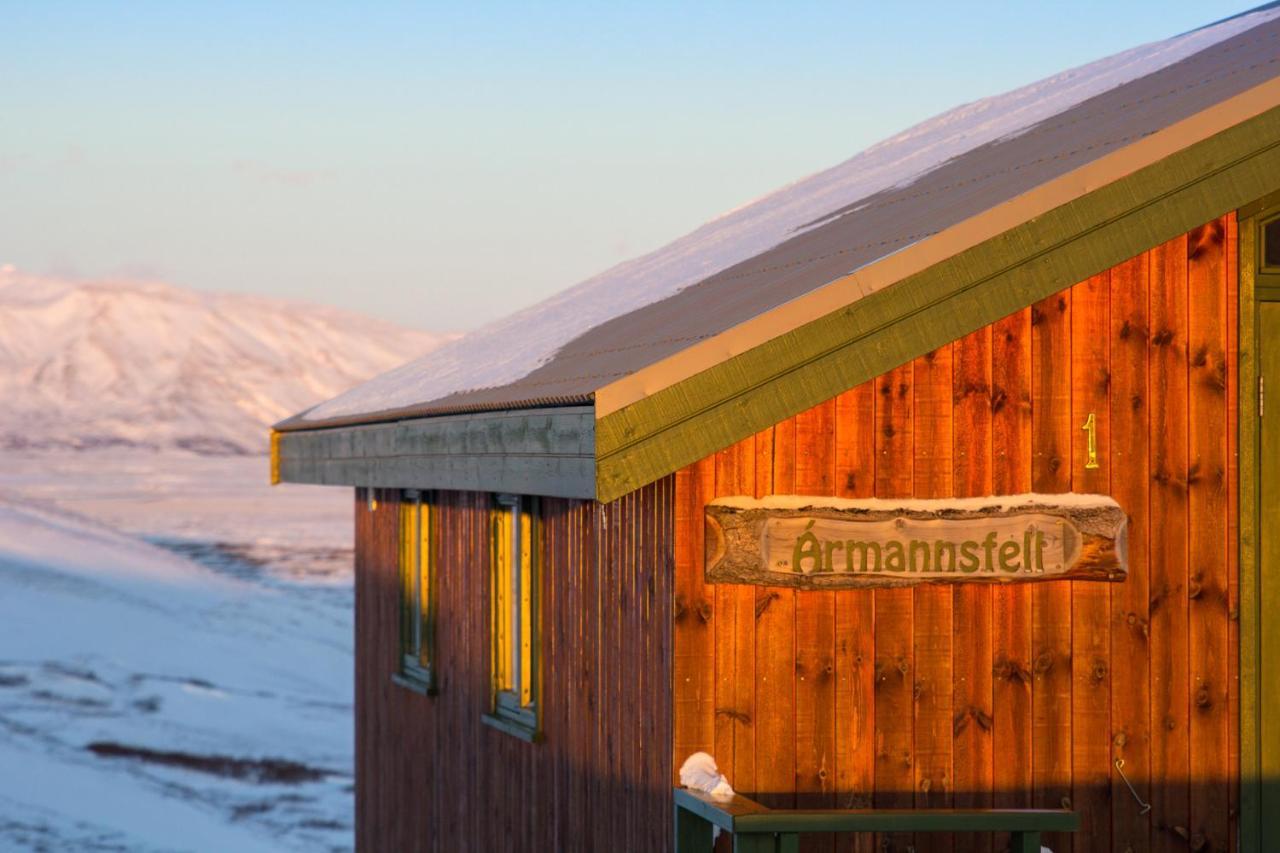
column 443, row 164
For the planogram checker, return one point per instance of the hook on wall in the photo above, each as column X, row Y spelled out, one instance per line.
column 1146, row 807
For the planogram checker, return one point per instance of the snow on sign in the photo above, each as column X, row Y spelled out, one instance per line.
column 831, row 543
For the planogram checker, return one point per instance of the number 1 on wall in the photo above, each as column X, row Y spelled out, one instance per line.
column 1091, row 427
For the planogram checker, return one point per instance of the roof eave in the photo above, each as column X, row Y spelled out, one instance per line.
column 730, row 386
column 544, row 451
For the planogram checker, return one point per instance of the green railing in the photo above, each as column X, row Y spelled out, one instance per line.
column 757, row 829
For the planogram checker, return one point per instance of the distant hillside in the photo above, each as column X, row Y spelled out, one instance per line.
column 146, row 364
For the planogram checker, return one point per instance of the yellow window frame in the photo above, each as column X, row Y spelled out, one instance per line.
column 417, row 568
column 514, row 615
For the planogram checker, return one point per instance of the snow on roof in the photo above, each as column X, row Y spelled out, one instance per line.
column 475, row 370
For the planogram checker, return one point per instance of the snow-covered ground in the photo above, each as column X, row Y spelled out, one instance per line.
column 175, row 655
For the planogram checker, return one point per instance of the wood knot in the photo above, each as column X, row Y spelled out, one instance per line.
column 1044, row 663
column 1099, row 673
column 856, row 800
column 1162, row 338
column 925, row 785
column 763, row 601
column 1139, row 625
column 998, row 399
column 1011, row 671
column 982, row 718
column 1202, row 697
column 1120, row 740
column 705, row 610
column 1194, row 589
column 1066, row 803
column 735, row 715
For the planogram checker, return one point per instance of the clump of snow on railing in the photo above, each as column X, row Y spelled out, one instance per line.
column 699, row 773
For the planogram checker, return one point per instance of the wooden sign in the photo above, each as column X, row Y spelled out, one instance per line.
column 833, row 543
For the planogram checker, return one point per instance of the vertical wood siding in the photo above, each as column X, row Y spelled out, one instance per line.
column 1015, row 695
column 432, row 777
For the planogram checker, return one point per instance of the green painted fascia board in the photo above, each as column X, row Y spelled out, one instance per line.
column 711, row 410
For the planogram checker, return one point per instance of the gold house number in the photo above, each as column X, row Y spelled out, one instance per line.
column 1091, row 427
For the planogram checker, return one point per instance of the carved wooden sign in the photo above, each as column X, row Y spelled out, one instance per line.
column 834, row 543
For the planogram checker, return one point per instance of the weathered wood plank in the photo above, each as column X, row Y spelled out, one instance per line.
column 932, row 441
column 894, row 661
column 725, row 634
column 1011, row 605
column 1168, row 444
column 855, row 649
column 744, row 644
column 694, row 659
column 1130, row 483
column 815, row 638
column 1233, row 528
column 1207, row 589
column 775, row 656
column 1090, row 471
column 971, row 696
column 1053, row 434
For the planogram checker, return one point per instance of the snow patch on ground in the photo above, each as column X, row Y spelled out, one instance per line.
column 156, row 697
column 511, row 348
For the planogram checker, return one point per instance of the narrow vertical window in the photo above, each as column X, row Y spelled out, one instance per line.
column 1270, row 245
column 417, row 595
column 514, row 614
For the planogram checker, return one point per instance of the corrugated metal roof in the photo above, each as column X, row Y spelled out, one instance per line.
column 850, row 236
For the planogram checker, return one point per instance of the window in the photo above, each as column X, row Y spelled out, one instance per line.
column 417, row 592
column 514, row 618
column 1270, row 245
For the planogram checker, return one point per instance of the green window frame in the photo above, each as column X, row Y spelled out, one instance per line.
column 417, row 561
column 1267, row 257
column 514, row 615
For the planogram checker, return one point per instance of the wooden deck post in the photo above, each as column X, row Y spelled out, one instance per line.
column 693, row 833
column 754, row 842
column 1024, row 842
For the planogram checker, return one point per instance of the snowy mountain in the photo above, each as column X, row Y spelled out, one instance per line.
column 143, row 363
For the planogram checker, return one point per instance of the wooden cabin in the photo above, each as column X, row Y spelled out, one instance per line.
column 572, row 552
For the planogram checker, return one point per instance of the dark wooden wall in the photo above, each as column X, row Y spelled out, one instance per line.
column 431, row 776
column 1018, row 695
